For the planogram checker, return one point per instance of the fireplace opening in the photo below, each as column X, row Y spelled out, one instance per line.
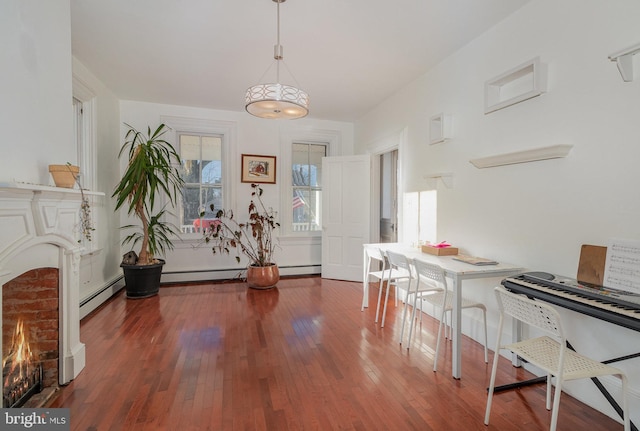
column 30, row 335
column 22, row 375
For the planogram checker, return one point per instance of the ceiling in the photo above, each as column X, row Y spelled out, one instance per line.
column 348, row 55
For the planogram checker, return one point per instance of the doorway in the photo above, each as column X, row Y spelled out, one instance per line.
column 389, row 196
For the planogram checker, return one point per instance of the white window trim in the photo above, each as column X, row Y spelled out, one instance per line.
column 89, row 149
column 333, row 140
column 228, row 131
column 87, row 154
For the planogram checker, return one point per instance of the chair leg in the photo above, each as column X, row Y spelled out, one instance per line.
column 556, row 404
column 413, row 316
column 379, row 299
column 404, row 313
column 386, row 300
column 486, row 339
column 365, row 293
column 440, row 329
column 494, row 369
column 549, row 390
column 625, row 404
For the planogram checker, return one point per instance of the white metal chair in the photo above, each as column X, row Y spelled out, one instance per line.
column 399, row 273
column 377, row 269
column 431, row 287
column 430, row 280
column 547, row 353
column 375, row 260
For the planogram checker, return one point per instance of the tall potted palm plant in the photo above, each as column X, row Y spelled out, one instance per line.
column 152, row 171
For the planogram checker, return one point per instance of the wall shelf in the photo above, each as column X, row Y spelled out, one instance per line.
column 624, row 61
column 446, row 178
column 523, row 82
column 532, row 155
column 441, row 128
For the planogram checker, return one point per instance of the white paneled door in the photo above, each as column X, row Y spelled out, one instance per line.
column 346, row 204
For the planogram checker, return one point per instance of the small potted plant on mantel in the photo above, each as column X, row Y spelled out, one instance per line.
column 253, row 238
column 150, row 172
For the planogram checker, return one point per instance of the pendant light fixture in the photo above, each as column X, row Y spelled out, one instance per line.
column 276, row 100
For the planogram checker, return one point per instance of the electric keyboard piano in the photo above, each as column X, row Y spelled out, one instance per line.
column 612, row 305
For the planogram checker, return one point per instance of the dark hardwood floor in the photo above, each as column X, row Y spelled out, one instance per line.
column 299, row 357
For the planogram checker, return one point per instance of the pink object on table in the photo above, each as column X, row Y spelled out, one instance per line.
column 442, row 244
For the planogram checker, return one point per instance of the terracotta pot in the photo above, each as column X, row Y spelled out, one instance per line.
column 263, row 277
column 64, row 175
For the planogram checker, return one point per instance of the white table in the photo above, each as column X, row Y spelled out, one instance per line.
column 456, row 271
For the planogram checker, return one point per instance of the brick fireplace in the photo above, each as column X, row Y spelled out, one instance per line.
column 31, row 299
column 39, row 275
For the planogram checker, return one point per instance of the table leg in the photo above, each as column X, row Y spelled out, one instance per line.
column 456, row 322
column 365, row 282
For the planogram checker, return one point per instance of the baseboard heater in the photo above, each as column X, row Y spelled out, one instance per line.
column 205, row 275
column 96, row 299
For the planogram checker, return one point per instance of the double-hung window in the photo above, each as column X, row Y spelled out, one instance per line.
column 202, row 157
column 307, row 185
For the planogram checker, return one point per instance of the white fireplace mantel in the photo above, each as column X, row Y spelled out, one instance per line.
column 38, row 228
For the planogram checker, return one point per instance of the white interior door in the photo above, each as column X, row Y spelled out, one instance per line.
column 346, row 204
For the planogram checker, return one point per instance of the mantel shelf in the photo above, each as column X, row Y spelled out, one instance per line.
column 446, row 178
column 44, row 188
column 533, row 155
column 624, row 61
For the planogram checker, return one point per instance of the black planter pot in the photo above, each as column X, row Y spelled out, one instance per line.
column 142, row 281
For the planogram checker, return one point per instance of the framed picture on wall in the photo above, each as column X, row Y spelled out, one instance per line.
column 258, row 169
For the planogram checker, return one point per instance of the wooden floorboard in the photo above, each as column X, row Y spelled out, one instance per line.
column 303, row 356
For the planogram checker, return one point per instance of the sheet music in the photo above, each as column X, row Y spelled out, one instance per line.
column 622, row 266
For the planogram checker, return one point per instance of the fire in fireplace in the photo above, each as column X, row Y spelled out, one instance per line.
column 22, row 376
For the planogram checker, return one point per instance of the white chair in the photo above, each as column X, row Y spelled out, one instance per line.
column 399, row 273
column 430, row 280
column 547, row 353
column 377, row 269
column 432, row 288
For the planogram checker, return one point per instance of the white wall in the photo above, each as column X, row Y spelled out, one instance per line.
column 252, row 136
column 535, row 214
column 35, row 114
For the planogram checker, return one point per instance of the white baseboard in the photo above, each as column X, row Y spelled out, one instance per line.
column 93, row 302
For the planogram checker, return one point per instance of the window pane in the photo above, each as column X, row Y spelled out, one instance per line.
column 306, row 210
column 300, row 205
column 300, row 162
column 211, row 195
column 212, row 172
column 190, row 171
column 190, row 205
column 316, row 153
column 211, row 148
column 190, row 147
